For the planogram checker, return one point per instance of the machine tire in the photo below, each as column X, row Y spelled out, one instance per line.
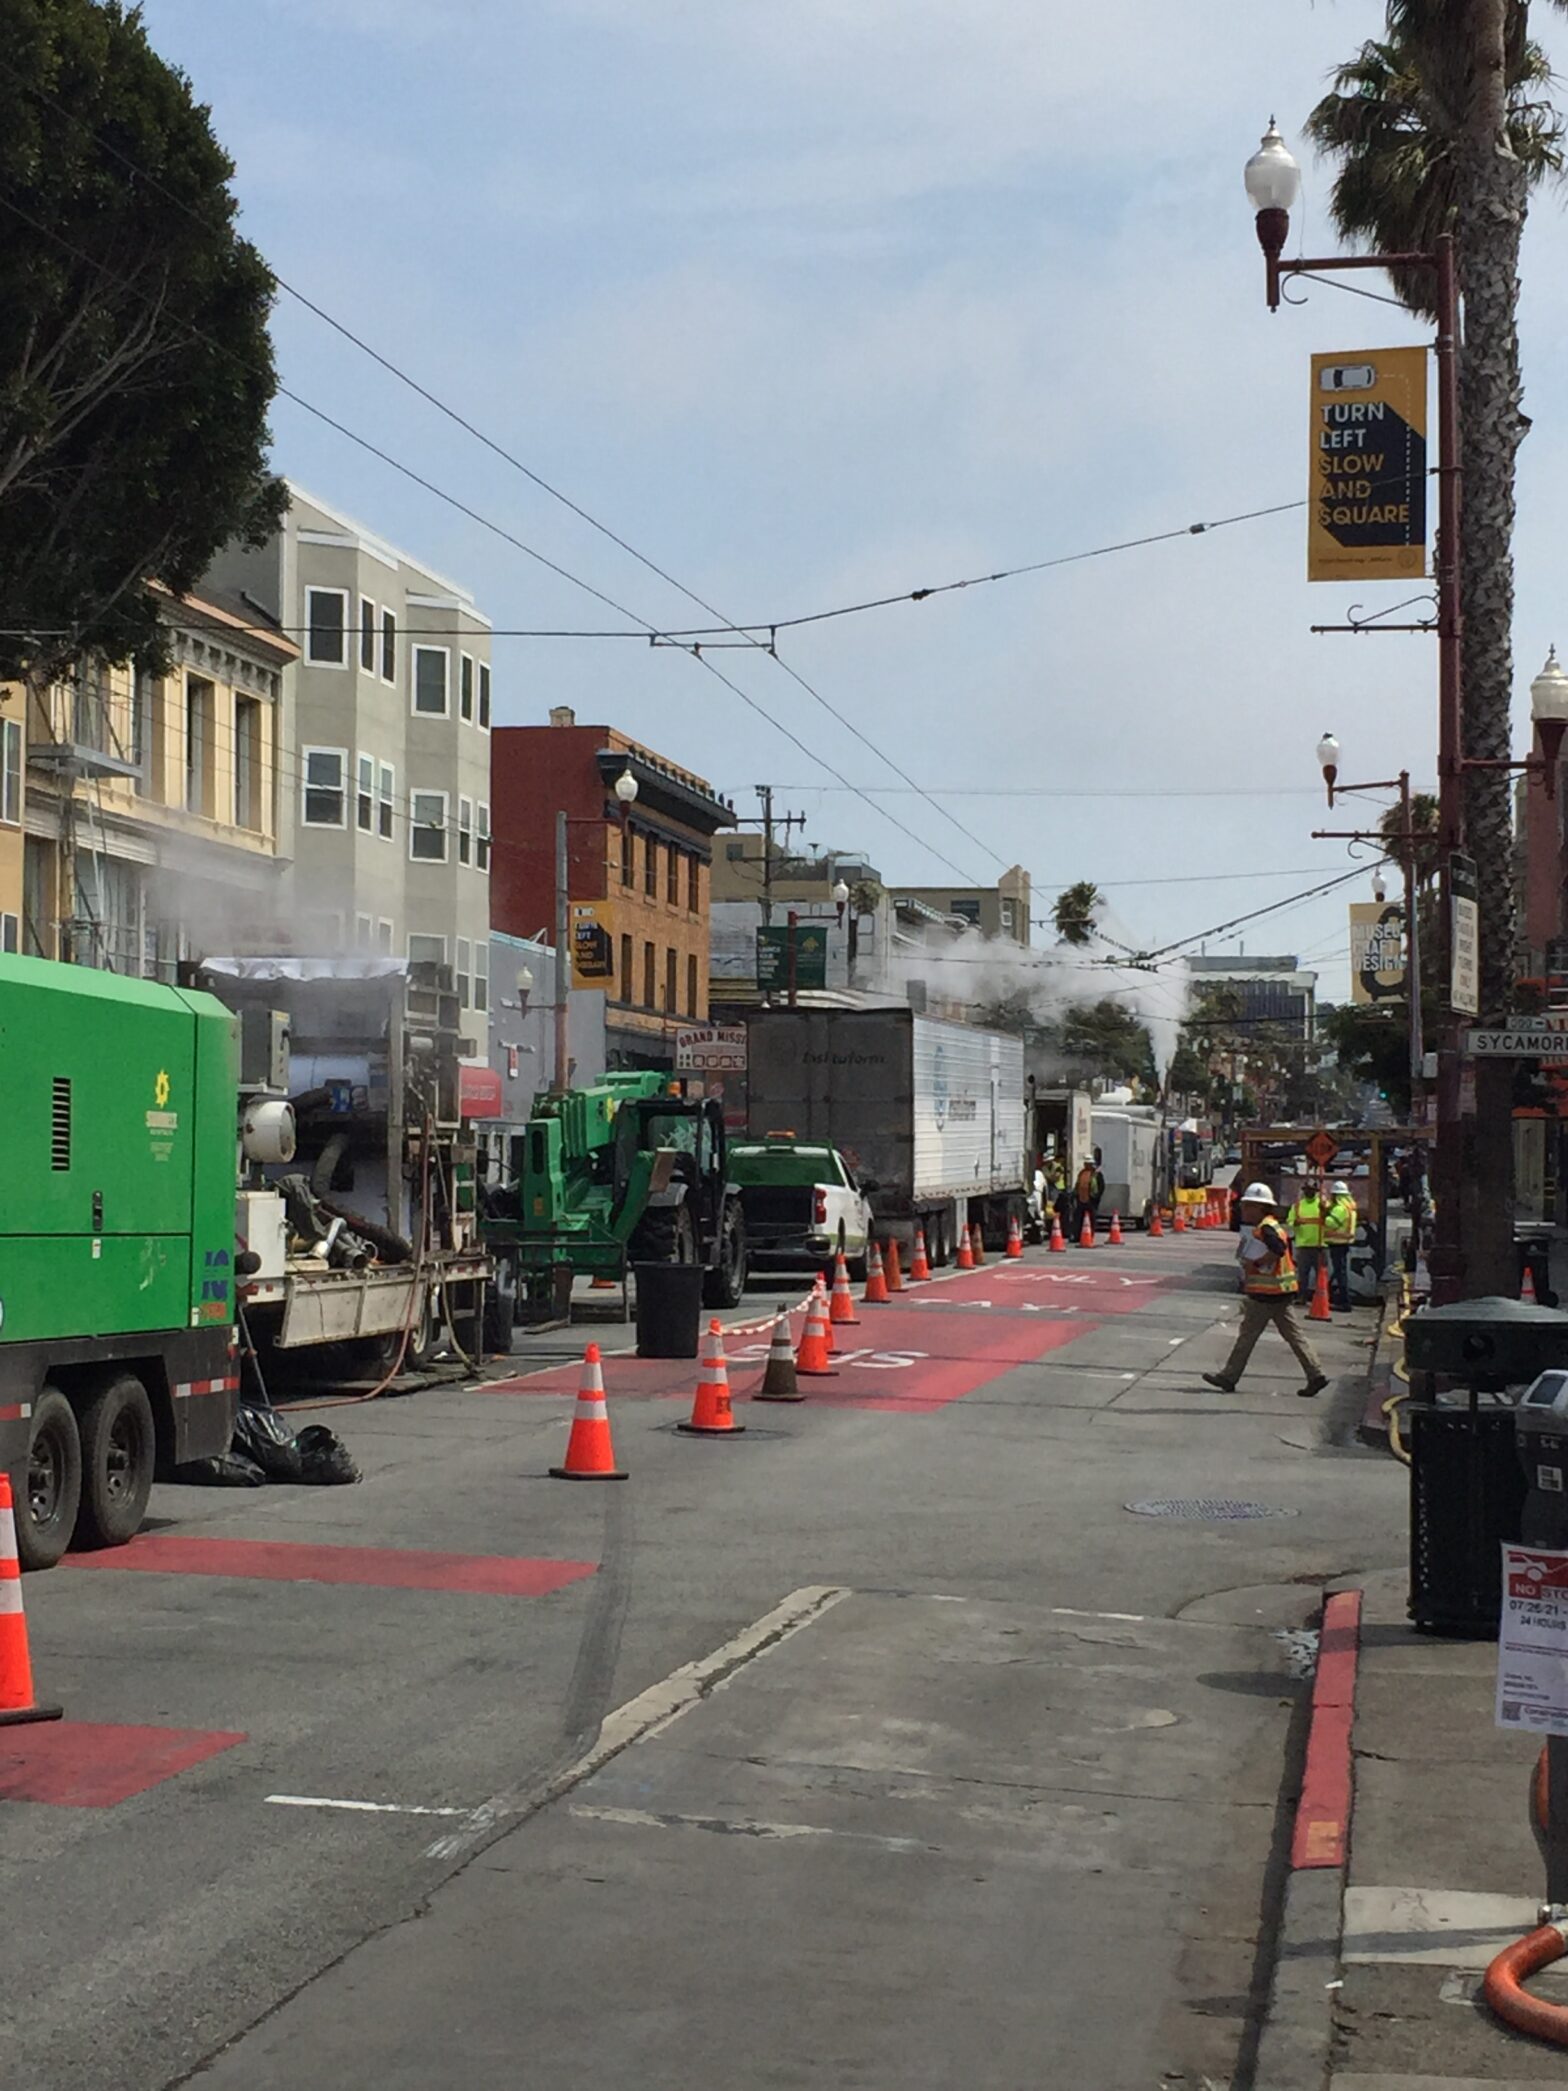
column 56, row 1490
column 425, row 1334
column 667, row 1235
column 500, row 1309
column 725, row 1284
column 119, row 1452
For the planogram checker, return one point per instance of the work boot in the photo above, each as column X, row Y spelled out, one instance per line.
column 1315, row 1385
column 1218, row 1379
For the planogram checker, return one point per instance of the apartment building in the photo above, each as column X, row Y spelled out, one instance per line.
column 638, row 875
column 387, row 822
column 149, row 805
column 1001, row 910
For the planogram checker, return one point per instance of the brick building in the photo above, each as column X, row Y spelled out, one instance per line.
column 639, row 888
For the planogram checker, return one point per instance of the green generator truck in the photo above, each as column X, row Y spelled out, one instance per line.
column 117, row 1249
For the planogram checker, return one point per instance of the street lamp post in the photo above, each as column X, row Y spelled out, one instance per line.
column 626, row 794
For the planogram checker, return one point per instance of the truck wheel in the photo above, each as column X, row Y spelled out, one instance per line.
column 425, row 1334
column 119, row 1449
column 48, row 1489
column 500, row 1309
column 725, row 1284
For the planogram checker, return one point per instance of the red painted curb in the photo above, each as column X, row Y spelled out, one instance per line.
column 1323, row 1812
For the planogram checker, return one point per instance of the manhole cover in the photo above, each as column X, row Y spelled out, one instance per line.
column 1204, row 1506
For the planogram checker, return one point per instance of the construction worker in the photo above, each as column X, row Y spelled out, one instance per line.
column 1088, row 1190
column 1340, row 1221
column 1305, row 1221
column 1268, row 1277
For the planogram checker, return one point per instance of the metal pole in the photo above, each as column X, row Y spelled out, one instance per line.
column 1557, row 1819
column 765, row 793
column 563, row 957
column 1407, row 856
column 794, row 980
column 1447, row 1263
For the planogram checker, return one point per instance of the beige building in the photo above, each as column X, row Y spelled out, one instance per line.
column 1001, row 910
column 13, row 788
column 151, row 809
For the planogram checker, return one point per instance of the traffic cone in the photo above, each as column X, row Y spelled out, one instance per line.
column 977, row 1244
column 1156, row 1230
column 712, row 1415
column 965, row 1259
column 1057, row 1245
column 1319, row 1310
column 890, row 1266
column 1178, row 1222
column 841, row 1307
column 813, row 1360
column 17, row 1703
column 1527, row 1287
column 919, row 1264
column 875, row 1294
column 589, row 1453
column 1086, row 1233
column 600, row 1283
column 778, row 1382
column 1115, row 1235
column 1015, row 1236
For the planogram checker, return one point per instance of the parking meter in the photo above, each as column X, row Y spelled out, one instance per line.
column 1541, row 1433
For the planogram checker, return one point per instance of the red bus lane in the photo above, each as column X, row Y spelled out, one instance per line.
column 929, row 1346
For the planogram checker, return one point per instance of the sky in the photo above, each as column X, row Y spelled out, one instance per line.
column 821, row 302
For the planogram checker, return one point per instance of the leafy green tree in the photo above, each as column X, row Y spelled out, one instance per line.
column 135, row 364
column 1077, row 910
column 1109, row 1039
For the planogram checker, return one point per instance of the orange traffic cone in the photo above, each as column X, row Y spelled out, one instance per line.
column 589, row 1453
column 1178, row 1221
column 890, row 1266
column 1319, row 1310
column 1057, row 1245
column 813, row 1360
column 1115, row 1235
column 965, row 1258
column 1015, row 1235
column 600, row 1283
column 17, row 1703
column 778, row 1382
column 875, row 1294
column 712, row 1415
column 841, row 1307
column 919, row 1263
column 977, row 1244
column 1527, row 1287
column 1155, row 1228
column 1086, row 1233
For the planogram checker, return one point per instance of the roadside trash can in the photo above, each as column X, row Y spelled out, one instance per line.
column 669, row 1309
column 1541, row 1421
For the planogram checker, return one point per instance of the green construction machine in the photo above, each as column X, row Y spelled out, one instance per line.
column 626, row 1171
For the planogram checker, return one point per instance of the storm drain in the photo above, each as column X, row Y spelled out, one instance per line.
column 1204, row 1507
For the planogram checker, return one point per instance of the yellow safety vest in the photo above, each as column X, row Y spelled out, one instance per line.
column 1275, row 1276
column 1306, row 1216
column 1339, row 1222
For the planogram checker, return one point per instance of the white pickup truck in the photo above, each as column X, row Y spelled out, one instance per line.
column 802, row 1203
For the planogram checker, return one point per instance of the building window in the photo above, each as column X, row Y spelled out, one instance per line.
column 388, row 647
column 465, row 831
column 427, row 826
column 484, row 695
column 691, row 985
column 384, row 935
column 367, row 635
column 386, row 781
column 481, row 977
column 364, row 932
column 431, row 667
column 626, row 969
column 694, row 884
column 11, row 772
column 365, row 796
column 465, row 687
column 647, row 976
column 326, row 627
column 10, row 933
column 734, row 852
column 326, row 801
column 247, row 764
column 145, row 693
column 650, row 868
column 671, row 961
column 672, row 875
column 461, row 974
column 628, row 855
column 200, row 704
column 426, row 951
column 482, row 839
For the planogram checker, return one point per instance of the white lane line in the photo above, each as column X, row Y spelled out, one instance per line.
column 1128, row 1375
column 651, row 1711
column 1127, row 1618
column 1172, row 1341
column 316, row 1800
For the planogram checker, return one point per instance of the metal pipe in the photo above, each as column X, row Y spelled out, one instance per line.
column 563, row 957
column 1447, row 1261
column 794, row 965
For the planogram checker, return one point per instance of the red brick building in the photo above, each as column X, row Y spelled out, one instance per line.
column 639, row 888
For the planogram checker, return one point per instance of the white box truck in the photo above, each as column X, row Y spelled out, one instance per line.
column 1131, row 1140
column 929, row 1114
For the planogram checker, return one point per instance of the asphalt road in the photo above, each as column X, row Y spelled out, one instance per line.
column 982, row 1782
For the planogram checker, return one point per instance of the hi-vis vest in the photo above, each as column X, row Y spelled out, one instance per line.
column 1307, row 1213
column 1273, row 1277
column 1339, row 1222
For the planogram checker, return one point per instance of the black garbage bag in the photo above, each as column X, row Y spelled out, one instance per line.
column 227, row 1470
column 261, row 1435
column 324, row 1458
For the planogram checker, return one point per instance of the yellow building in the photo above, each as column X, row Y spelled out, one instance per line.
column 12, row 787
column 152, row 803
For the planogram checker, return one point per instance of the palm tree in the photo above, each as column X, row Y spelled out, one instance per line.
column 1444, row 125
column 1076, row 912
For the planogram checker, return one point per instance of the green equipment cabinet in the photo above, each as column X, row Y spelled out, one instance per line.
column 117, row 1202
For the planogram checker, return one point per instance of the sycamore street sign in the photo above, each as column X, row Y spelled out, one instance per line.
column 1535, row 1041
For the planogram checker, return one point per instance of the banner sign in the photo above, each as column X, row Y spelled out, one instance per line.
column 811, row 957
column 1464, row 983
column 1366, row 508
column 711, row 1049
column 593, row 947
column 1377, row 952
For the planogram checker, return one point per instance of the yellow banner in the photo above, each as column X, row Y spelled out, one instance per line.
column 1366, row 513
column 593, row 947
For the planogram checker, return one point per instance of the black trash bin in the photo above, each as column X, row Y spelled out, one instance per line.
column 669, row 1309
column 1467, row 1493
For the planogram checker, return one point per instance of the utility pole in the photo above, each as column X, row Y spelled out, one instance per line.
column 563, row 956
column 769, row 826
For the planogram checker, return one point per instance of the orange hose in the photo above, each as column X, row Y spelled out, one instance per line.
column 1513, row 2004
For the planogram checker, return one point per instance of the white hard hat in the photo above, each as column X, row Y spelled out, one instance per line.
column 1340, row 1188
column 1258, row 1194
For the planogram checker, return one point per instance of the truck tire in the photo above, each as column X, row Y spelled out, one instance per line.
column 667, row 1235
column 501, row 1309
column 425, row 1334
column 48, row 1489
column 725, row 1284
column 119, row 1451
